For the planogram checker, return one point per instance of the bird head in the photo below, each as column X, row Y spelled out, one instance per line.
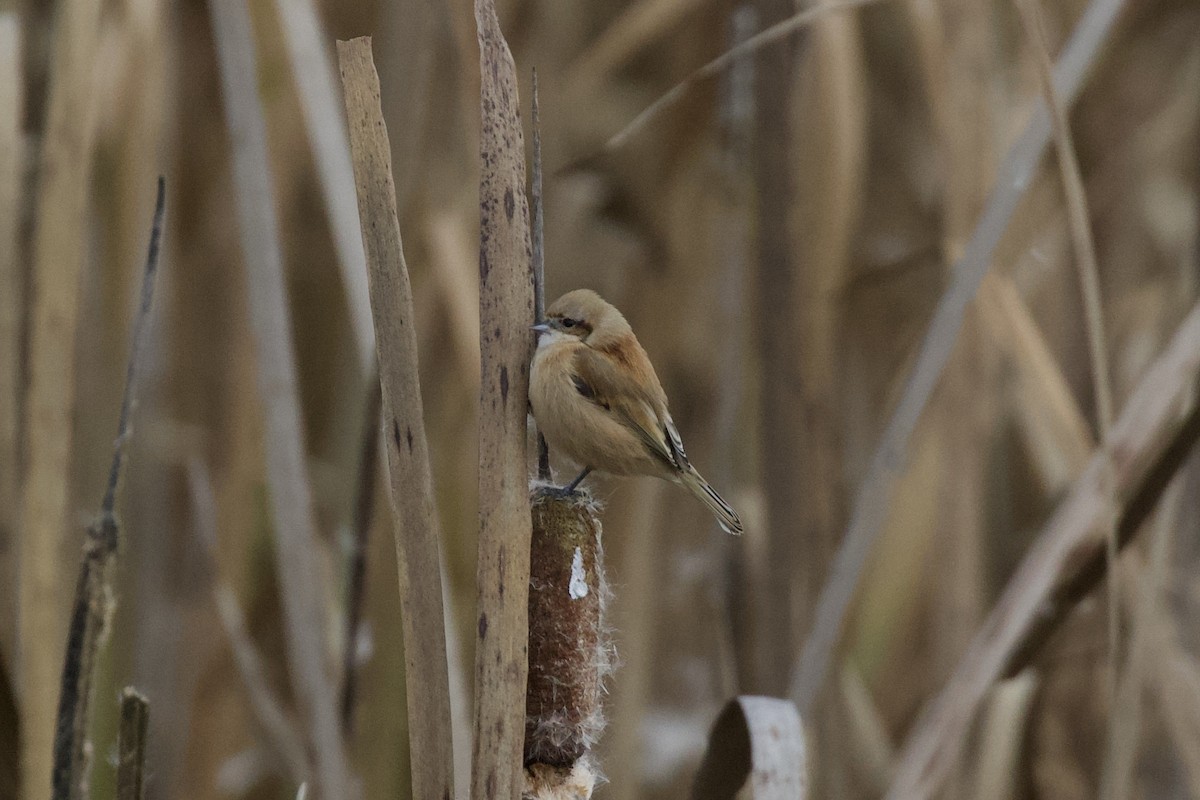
column 582, row 314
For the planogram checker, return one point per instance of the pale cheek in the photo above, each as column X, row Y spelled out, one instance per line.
column 551, row 338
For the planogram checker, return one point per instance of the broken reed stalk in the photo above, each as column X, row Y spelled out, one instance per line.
column 131, row 744
column 293, row 519
column 872, row 500
column 410, row 482
column 570, row 650
column 94, row 601
column 505, row 308
column 1150, row 440
column 47, row 544
column 756, row 751
column 364, row 513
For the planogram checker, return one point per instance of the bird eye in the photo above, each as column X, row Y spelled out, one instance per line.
column 569, row 323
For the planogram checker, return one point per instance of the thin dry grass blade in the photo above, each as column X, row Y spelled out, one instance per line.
column 410, row 484
column 874, row 494
column 296, row 543
column 1077, row 214
column 317, row 92
column 94, row 603
column 505, row 308
column 48, row 540
column 1154, row 433
column 775, row 33
column 12, row 291
column 1089, row 281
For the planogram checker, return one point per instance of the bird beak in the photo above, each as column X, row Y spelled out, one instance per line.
column 541, row 327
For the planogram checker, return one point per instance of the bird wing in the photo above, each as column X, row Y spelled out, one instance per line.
column 615, row 388
column 675, row 443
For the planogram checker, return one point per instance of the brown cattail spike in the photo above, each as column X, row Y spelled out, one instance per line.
column 569, row 648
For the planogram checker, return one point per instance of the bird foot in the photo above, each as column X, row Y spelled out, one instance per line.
column 559, row 492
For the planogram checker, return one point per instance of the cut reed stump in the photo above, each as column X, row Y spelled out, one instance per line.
column 570, row 651
column 756, row 751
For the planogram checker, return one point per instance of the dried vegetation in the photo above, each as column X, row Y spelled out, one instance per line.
column 862, row 263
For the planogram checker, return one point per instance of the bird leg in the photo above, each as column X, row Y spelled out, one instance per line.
column 569, row 489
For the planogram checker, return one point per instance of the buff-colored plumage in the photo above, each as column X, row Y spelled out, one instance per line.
column 596, row 399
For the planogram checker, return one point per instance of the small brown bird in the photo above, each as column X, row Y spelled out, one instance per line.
column 596, row 398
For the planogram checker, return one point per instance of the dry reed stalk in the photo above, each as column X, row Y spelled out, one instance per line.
column 734, row 238
column 1080, row 224
column 777, row 32
column 1078, row 217
column 12, row 291
column 94, row 602
column 60, row 229
column 317, row 91
column 410, row 484
column 776, row 332
column 538, row 245
column 278, row 730
column 131, row 745
column 1154, row 433
column 569, row 649
column 872, row 500
column 757, row 751
column 505, row 308
column 296, row 543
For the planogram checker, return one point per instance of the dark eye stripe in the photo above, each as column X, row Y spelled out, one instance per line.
column 571, row 323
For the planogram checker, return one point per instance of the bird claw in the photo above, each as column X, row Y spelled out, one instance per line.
column 558, row 492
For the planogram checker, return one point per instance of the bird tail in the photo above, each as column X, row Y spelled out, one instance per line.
column 694, row 482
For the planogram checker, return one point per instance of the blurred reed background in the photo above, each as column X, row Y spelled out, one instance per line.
column 778, row 239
